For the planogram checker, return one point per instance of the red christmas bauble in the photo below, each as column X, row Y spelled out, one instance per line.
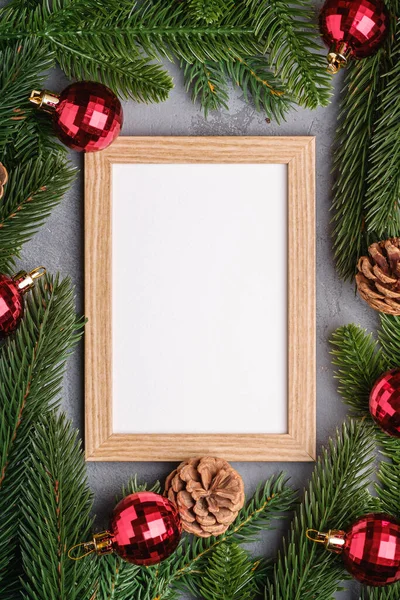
column 384, row 402
column 145, row 528
column 371, row 551
column 88, row 116
column 355, row 28
column 11, row 305
column 12, row 290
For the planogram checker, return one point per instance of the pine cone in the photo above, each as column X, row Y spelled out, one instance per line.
column 3, row 178
column 208, row 493
column 378, row 279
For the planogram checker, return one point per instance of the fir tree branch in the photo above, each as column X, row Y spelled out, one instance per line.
column 359, row 363
column 336, row 495
column 209, row 11
column 383, row 183
column 286, row 33
column 35, row 187
column 391, row 592
column 56, row 515
column 356, row 119
column 229, row 575
column 260, row 86
column 184, row 569
column 207, row 81
column 31, row 370
column 389, row 339
column 23, row 65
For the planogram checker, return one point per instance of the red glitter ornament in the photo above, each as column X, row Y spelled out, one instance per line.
column 370, row 548
column 384, row 402
column 12, row 290
column 145, row 529
column 355, row 28
column 87, row 115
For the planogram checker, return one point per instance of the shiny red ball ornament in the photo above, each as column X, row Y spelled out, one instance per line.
column 370, row 548
column 384, row 402
column 145, row 529
column 352, row 28
column 12, row 290
column 87, row 115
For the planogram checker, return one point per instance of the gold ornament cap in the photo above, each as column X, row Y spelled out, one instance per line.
column 338, row 57
column 101, row 544
column 26, row 281
column 333, row 541
column 45, row 99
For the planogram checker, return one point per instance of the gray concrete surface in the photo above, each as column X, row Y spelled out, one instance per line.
column 59, row 246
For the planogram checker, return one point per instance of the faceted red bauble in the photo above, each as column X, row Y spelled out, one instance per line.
column 11, row 305
column 355, row 27
column 88, row 116
column 145, row 527
column 372, row 550
column 384, row 402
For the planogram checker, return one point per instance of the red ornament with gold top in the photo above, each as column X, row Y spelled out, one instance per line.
column 12, row 290
column 352, row 28
column 384, row 402
column 145, row 529
column 370, row 548
column 87, row 116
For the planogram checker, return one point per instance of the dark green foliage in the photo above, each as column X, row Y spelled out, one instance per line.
column 367, row 154
column 23, row 66
column 359, row 363
column 260, row 86
column 209, row 11
column 56, row 505
column 229, row 575
column 356, row 120
column 35, row 187
column 120, row 43
column 31, row 370
column 391, row 592
column 383, row 195
column 287, row 34
column 336, row 495
column 207, row 81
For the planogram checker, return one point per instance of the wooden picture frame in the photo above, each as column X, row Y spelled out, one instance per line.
column 298, row 444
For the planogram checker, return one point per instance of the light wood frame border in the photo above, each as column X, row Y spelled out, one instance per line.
column 296, row 445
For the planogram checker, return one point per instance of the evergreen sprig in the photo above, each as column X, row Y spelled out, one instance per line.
column 337, row 494
column 367, row 154
column 184, row 570
column 383, row 184
column 120, row 44
column 229, row 574
column 56, row 508
column 31, row 370
column 359, row 363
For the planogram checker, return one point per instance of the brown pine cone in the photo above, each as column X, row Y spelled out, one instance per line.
column 378, row 279
column 3, row 178
column 208, row 493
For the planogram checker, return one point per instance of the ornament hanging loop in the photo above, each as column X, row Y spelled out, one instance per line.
column 44, row 99
column 334, row 540
column 88, row 548
column 316, row 536
column 38, row 272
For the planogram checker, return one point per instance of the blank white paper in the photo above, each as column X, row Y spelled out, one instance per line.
column 199, row 298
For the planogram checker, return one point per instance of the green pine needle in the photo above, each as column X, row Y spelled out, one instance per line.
column 56, row 509
column 32, row 364
column 229, row 575
column 359, row 363
column 383, row 194
column 337, row 494
column 209, row 11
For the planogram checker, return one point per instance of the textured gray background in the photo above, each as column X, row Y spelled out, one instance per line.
column 59, row 246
